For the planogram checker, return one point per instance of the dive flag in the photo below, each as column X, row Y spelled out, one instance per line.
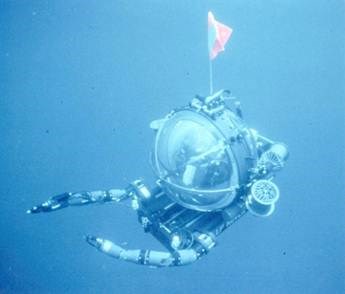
column 218, row 35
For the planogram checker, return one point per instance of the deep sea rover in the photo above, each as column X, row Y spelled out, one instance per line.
column 211, row 169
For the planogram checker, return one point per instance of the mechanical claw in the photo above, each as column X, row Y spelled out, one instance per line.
column 94, row 241
column 35, row 209
column 53, row 203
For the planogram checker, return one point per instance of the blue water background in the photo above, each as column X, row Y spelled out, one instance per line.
column 80, row 82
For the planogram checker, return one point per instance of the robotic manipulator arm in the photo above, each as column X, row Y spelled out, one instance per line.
column 152, row 258
column 78, row 199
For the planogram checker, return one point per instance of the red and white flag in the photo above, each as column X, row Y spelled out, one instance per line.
column 218, row 35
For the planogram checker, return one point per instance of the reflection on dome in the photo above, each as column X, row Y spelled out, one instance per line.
column 192, row 158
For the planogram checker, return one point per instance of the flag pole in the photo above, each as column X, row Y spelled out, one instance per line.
column 218, row 35
column 211, row 76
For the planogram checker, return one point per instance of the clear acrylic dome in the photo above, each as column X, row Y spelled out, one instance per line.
column 194, row 163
